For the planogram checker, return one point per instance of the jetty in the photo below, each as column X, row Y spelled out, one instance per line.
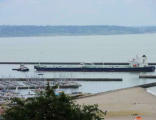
column 60, row 79
column 148, row 85
column 148, row 76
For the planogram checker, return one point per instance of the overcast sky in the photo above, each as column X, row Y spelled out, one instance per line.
column 78, row 12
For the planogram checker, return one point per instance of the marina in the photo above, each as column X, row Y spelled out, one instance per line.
column 12, row 85
column 85, row 82
column 91, row 83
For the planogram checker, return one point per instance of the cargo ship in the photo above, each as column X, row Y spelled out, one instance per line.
column 135, row 65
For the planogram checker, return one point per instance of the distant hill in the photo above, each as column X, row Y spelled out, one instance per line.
column 19, row 31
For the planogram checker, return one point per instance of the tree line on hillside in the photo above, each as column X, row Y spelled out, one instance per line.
column 27, row 30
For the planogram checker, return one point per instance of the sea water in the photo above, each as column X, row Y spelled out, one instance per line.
column 108, row 48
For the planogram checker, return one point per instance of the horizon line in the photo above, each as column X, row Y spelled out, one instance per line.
column 80, row 25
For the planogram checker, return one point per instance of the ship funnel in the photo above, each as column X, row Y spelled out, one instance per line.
column 144, row 60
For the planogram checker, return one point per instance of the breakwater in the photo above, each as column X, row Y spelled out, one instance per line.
column 59, row 79
column 71, row 63
column 148, row 76
column 148, row 85
column 64, row 63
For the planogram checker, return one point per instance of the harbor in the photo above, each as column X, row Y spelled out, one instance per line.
column 31, row 84
column 25, row 83
column 92, row 83
column 78, row 60
column 69, row 82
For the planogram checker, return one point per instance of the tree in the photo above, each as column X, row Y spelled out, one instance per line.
column 49, row 106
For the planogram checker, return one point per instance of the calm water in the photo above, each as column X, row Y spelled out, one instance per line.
column 78, row 48
column 116, row 48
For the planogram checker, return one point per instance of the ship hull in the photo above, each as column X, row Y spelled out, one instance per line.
column 22, row 70
column 83, row 69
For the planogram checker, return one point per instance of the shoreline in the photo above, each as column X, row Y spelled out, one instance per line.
column 151, row 92
column 78, row 35
column 124, row 103
column 144, row 86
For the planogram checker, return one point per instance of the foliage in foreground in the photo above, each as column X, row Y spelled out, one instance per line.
column 48, row 106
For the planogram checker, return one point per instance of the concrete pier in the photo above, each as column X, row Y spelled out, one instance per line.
column 148, row 85
column 54, row 79
column 148, row 76
column 71, row 63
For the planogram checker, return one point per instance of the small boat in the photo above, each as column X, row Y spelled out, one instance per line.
column 40, row 74
column 22, row 68
column 66, row 84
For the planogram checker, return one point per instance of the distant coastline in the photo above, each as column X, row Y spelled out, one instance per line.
column 32, row 31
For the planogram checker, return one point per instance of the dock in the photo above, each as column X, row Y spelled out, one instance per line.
column 36, row 87
column 148, row 76
column 64, row 63
column 35, row 83
column 59, row 79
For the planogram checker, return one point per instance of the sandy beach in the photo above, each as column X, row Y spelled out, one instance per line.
column 125, row 104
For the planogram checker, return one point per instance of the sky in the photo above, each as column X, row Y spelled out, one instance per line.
column 78, row 12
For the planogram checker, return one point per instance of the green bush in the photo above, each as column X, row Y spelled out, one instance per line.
column 48, row 106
